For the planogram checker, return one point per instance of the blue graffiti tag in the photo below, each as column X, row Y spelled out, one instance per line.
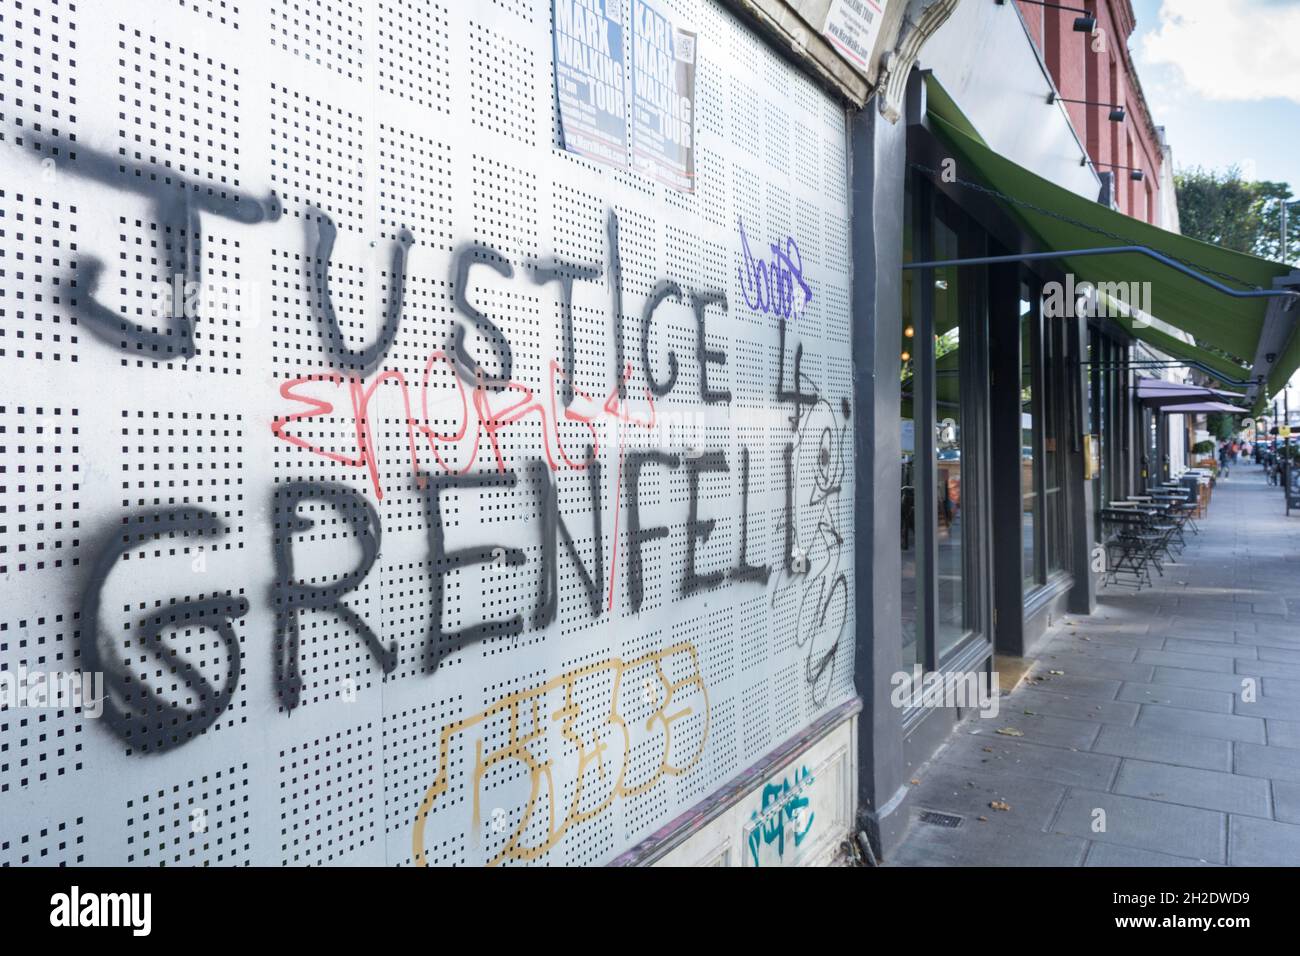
column 781, row 803
column 769, row 287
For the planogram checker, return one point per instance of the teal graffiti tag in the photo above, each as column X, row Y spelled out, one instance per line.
column 782, row 803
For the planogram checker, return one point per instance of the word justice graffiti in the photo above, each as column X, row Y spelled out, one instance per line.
column 483, row 404
column 442, row 460
column 602, row 732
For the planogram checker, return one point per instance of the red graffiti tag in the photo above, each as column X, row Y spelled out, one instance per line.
column 482, row 415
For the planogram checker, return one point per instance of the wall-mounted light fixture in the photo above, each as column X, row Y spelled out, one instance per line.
column 1134, row 173
column 1084, row 24
column 1117, row 112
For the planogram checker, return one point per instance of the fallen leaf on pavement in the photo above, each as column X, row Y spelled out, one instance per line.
column 1010, row 732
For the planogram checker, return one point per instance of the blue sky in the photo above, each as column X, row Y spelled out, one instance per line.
column 1223, row 78
column 1217, row 74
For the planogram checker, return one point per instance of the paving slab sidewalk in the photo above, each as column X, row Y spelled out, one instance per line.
column 1147, row 750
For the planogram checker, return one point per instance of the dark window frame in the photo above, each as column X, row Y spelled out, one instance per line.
column 973, row 303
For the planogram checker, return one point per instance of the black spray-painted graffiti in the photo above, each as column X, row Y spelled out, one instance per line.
column 813, row 463
column 815, row 466
column 177, row 203
column 291, row 596
column 133, row 709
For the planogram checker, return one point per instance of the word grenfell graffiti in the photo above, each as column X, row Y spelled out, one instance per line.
column 449, row 426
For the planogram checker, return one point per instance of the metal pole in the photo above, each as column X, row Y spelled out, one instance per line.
column 1283, row 257
column 1274, row 437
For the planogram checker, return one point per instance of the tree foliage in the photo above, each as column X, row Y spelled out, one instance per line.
column 1222, row 425
column 1222, row 208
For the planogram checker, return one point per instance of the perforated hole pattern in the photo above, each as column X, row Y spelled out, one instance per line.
column 307, row 327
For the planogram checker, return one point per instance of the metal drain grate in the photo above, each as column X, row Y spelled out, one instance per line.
column 940, row 819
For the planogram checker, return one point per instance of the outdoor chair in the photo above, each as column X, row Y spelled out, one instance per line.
column 1177, row 510
column 1192, row 486
column 1157, row 523
column 1129, row 546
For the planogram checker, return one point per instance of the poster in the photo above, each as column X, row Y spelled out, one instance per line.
column 590, row 78
column 663, row 96
column 852, row 26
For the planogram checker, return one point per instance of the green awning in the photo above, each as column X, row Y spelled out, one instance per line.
column 1064, row 220
column 1232, row 373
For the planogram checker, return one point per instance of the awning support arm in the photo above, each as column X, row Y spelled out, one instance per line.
column 1109, row 251
column 1177, row 363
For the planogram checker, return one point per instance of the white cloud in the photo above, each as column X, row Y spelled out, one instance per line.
column 1238, row 50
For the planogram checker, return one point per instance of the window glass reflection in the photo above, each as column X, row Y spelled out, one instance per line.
column 1031, row 504
column 950, row 585
column 912, row 653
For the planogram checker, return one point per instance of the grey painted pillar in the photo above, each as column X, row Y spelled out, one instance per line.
column 879, row 156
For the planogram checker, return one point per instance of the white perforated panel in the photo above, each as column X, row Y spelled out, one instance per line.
column 400, row 487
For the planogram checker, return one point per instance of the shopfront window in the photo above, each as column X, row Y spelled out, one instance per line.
column 944, row 344
column 1116, row 435
column 1044, row 412
column 949, row 564
column 1055, row 411
column 1031, row 504
column 1111, row 415
column 907, row 464
column 1155, row 450
column 1098, row 392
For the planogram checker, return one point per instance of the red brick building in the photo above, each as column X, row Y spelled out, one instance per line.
column 1098, row 67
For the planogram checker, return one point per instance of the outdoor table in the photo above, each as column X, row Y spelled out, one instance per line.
column 1137, row 507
